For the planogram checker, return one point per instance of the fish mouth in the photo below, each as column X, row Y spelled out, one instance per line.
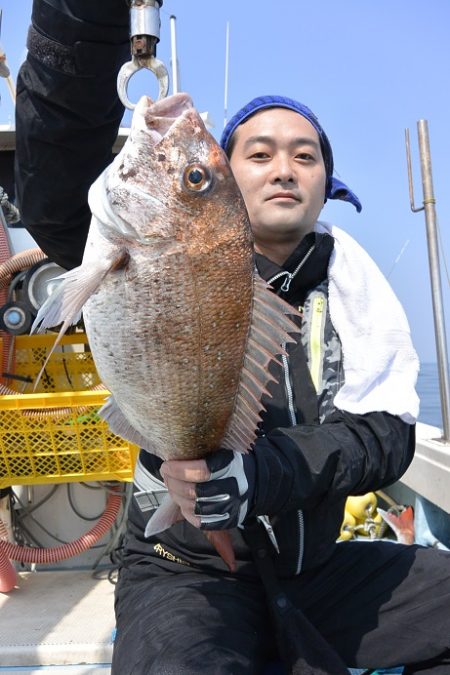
column 156, row 118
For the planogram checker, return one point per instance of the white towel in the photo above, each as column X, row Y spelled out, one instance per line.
column 380, row 362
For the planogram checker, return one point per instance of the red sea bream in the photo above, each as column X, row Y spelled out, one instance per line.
column 181, row 329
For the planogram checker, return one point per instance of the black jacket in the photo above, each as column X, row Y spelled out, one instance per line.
column 67, row 117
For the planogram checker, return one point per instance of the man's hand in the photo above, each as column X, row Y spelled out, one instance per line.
column 212, row 493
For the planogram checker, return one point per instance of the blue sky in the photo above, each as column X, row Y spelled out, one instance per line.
column 368, row 70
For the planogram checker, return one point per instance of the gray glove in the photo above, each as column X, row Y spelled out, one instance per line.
column 225, row 499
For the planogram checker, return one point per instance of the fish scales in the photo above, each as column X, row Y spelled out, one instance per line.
column 175, row 344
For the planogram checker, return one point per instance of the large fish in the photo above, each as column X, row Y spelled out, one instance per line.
column 181, row 330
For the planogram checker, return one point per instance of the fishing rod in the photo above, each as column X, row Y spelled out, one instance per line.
column 429, row 207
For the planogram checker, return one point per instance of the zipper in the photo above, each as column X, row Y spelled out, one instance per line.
column 316, row 340
column 290, row 397
column 290, row 275
column 293, row 420
column 288, row 386
column 264, row 520
column 301, row 541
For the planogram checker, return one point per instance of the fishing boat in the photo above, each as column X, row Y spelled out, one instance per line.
column 65, row 480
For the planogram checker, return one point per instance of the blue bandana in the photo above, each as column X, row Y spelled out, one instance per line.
column 335, row 189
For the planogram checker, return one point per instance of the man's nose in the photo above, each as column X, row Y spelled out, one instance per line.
column 283, row 170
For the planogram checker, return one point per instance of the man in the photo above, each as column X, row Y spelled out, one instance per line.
column 340, row 419
column 370, row 601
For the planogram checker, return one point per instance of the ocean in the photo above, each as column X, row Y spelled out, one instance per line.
column 428, row 391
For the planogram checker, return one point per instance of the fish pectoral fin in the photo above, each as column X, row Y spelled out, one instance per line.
column 119, row 424
column 164, row 517
column 64, row 305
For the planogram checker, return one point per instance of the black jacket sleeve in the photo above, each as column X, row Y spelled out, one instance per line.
column 67, row 117
column 347, row 454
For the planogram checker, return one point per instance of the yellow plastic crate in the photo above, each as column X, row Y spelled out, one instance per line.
column 55, row 434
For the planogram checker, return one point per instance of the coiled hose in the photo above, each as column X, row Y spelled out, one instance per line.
column 8, row 575
column 27, row 554
column 17, row 263
column 9, row 265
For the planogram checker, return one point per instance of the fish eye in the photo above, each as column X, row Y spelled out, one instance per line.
column 197, row 177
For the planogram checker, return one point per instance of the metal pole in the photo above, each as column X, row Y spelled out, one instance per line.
column 174, row 58
column 433, row 258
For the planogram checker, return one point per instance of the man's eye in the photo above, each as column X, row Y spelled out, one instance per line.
column 306, row 157
column 259, row 155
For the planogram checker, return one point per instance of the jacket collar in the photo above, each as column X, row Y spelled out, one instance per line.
column 306, row 267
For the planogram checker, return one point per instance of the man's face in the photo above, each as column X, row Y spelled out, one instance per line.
column 278, row 165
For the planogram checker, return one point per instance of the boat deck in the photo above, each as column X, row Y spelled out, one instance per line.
column 57, row 622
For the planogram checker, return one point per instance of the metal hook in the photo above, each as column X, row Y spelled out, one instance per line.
column 144, row 35
column 137, row 63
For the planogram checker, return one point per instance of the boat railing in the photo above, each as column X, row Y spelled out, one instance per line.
column 429, row 207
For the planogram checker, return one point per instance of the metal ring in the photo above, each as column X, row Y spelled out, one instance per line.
column 128, row 69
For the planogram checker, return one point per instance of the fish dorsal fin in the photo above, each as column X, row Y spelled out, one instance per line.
column 270, row 330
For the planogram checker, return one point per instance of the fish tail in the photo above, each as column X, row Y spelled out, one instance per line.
column 168, row 513
column 221, row 540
